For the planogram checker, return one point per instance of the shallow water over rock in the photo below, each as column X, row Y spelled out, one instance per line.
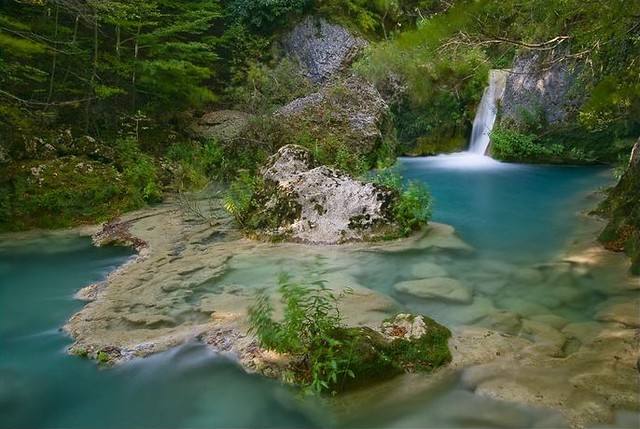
column 543, row 315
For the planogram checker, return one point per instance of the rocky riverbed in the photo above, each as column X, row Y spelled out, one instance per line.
column 194, row 277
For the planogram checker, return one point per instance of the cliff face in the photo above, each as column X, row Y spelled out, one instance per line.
column 622, row 206
column 322, row 48
column 540, row 87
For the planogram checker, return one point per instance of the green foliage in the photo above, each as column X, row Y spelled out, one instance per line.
column 266, row 15
column 307, row 332
column 60, row 193
column 378, row 18
column 622, row 208
column 196, row 163
column 444, row 84
column 239, row 197
column 573, row 146
column 139, row 171
column 334, row 152
column 412, row 208
column 103, row 357
column 267, row 88
column 511, row 145
column 326, row 355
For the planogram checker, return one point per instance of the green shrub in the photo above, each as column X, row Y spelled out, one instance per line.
column 412, row 208
column 238, row 198
column 307, row 332
column 267, row 88
column 327, row 356
column 196, row 163
column 140, row 172
column 266, row 15
column 509, row 145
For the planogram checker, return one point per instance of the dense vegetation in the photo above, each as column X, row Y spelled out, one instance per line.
column 444, row 62
column 327, row 356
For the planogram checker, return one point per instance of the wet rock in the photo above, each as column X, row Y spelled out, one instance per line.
column 435, row 237
column 332, row 207
column 480, row 308
column 627, row 313
column 547, row 340
column 436, row 288
column 584, row 332
column 425, row 270
column 529, row 276
column 503, row 321
column 552, row 320
column 521, row 306
column 322, row 48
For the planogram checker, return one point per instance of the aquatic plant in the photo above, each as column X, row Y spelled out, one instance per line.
column 328, row 356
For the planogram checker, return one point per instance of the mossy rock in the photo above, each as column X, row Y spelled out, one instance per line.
column 61, row 192
column 622, row 207
column 434, row 145
column 373, row 356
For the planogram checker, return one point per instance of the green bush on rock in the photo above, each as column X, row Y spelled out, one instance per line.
column 327, row 356
column 412, row 209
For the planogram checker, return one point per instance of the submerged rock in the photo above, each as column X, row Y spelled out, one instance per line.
column 319, row 205
column 437, row 288
column 425, row 270
column 322, row 48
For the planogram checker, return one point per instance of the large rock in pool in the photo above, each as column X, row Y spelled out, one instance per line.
column 319, row 205
column 322, row 48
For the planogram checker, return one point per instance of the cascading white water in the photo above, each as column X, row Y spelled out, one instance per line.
column 487, row 110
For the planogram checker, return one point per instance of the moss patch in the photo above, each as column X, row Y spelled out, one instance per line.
column 371, row 356
column 622, row 207
column 60, row 193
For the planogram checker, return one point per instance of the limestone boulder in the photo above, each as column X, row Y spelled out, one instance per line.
column 222, row 125
column 322, row 48
column 324, row 205
column 350, row 110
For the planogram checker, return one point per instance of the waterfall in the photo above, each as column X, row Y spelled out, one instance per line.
column 486, row 114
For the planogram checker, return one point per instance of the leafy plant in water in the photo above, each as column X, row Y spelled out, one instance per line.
column 238, row 199
column 308, row 332
column 412, row 208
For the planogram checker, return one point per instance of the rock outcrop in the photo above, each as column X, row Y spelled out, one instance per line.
column 322, row 48
column 222, row 125
column 330, row 207
column 622, row 207
column 351, row 110
column 535, row 87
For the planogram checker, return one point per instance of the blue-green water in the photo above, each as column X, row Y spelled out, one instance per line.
column 519, row 213
column 43, row 387
column 512, row 211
